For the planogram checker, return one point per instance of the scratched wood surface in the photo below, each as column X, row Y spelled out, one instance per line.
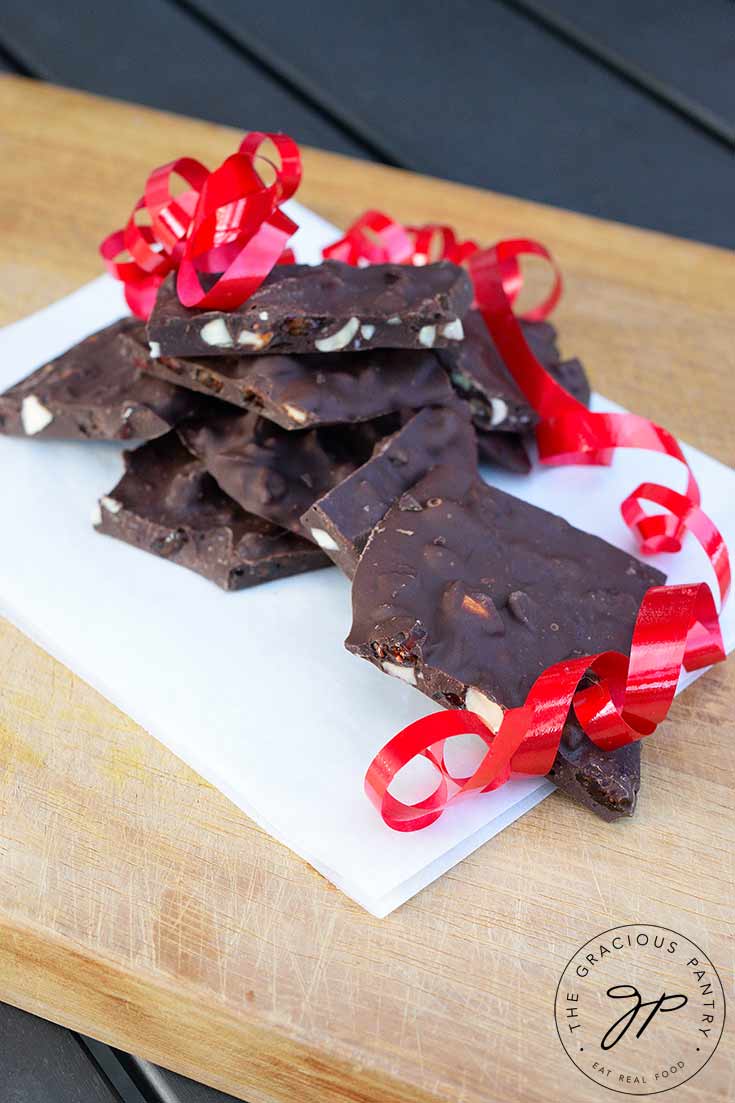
column 138, row 906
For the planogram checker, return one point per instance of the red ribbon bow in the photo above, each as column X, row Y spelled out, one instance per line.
column 223, row 235
column 677, row 626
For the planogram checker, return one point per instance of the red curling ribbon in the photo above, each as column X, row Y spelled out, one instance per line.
column 223, row 235
column 677, row 626
column 375, row 238
column 570, row 433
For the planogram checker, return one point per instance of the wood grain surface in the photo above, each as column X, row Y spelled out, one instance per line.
column 139, row 906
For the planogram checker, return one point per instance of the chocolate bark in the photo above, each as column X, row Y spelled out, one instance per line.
column 572, row 376
column 331, row 307
column 507, row 450
column 166, row 503
column 471, row 593
column 95, row 391
column 341, row 521
column 273, row 472
column 479, row 375
column 299, row 392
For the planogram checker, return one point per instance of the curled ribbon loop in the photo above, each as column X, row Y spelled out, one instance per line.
column 374, row 238
column 633, row 695
column 677, row 626
column 223, row 235
column 500, row 263
column 170, row 216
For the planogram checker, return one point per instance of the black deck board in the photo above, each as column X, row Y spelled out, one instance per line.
column 480, row 93
column 139, row 1081
column 172, row 1088
column 688, row 45
column 475, row 92
column 43, row 1063
column 7, row 64
column 156, row 53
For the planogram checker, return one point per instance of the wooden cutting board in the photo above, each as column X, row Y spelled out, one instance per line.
column 139, row 906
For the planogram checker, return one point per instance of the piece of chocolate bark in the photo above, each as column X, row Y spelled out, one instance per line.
column 273, row 472
column 95, row 391
column 168, row 504
column 299, row 392
column 480, row 376
column 471, row 593
column 341, row 521
column 330, row 307
column 510, row 450
column 573, row 378
column 506, row 450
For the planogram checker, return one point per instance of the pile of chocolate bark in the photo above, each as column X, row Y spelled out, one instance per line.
column 338, row 415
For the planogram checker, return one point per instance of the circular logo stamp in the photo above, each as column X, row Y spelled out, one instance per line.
column 640, row 1009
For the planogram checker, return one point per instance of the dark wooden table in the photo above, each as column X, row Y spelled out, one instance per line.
column 618, row 108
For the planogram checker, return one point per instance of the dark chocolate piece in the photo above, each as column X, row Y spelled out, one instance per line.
column 507, row 450
column 573, row 378
column 472, row 594
column 299, row 392
column 479, row 375
column 273, row 472
column 331, row 307
column 341, row 521
column 166, row 503
column 541, row 337
column 95, row 391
